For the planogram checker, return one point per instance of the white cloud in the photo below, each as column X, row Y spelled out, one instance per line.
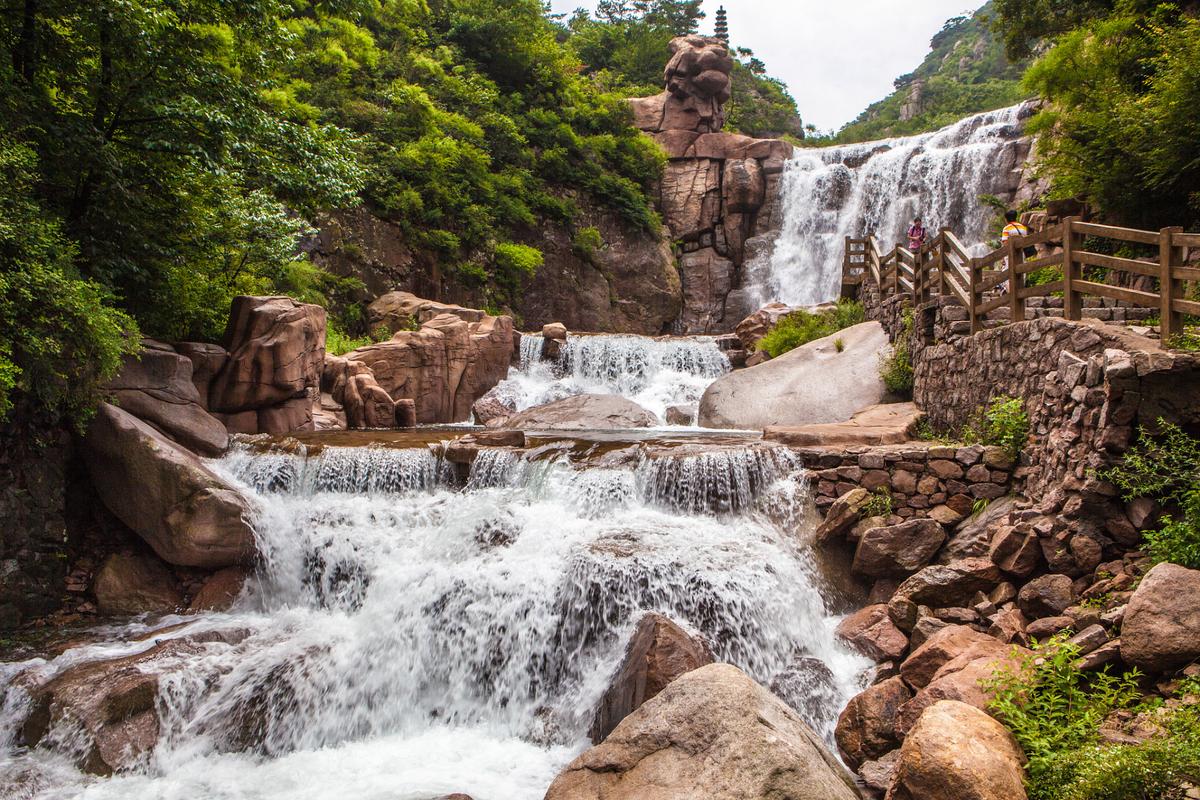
column 836, row 56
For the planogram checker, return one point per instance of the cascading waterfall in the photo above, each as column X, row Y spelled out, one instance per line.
column 654, row 373
column 879, row 187
column 406, row 637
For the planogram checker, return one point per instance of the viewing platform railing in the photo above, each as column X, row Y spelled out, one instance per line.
column 998, row 279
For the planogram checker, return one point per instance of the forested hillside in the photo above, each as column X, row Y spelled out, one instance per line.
column 162, row 156
column 967, row 71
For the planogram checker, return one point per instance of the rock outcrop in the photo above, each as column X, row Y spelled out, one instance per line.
column 272, row 378
column 658, row 653
column 583, row 412
column 445, row 366
column 184, row 511
column 1161, row 629
column 717, row 187
column 129, row 583
column 815, row 383
column 157, row 386
column 957, row 752
column 712, row 733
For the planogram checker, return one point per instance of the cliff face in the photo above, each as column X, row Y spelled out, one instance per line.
column 719, row 190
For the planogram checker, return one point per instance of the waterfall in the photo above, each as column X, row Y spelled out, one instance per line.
column 654, row 373
column 406, row 636
column 879, row 187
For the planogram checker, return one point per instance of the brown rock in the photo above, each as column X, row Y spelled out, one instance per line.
column 898, row 549
column 404, row 311
column 943, row 647
column 1161, row 629
column 1046, row 596
column 127, row 583
column 207, row 360
column 691, row 197
column 866, row 728
column 871, row 632
column 1041, row 629
column 490, row 408
column 843, row 514
column 962, row 679
column 583, row 412
column 188, row 515
column 276, row 353
column 754, row 327
column 156, row 386
column 659, row 652
column 941, row 585
column 220, row 590
column 956, row 752
column 1015, row 550
column 444, row 367
column 712, row 733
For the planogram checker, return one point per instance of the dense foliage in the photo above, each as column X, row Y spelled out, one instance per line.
column 966, row 71
column 1055, row 711
column 1123, row 92
column 1165, row 466
column 801, row 327
column 624, row 47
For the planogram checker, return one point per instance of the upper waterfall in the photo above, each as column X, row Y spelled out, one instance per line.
column 878, row 187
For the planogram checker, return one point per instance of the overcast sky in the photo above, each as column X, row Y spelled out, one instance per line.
column 836, row 56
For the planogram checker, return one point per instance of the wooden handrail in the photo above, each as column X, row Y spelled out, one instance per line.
column 998, row 278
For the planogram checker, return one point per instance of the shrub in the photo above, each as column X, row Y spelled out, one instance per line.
column 880, row 504
column 586, row 242
column 1003, row 423
column 801, row 327
column 1055, row 711
column 896, row 368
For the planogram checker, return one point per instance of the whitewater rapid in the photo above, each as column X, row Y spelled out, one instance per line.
column 654, row 373
column 878, row 187
column 410, row 634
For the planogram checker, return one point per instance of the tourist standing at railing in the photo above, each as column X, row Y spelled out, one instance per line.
column 916, row 236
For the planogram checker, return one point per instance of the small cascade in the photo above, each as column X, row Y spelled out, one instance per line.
column 654, row 373
column 879, row 187
column 406, row 637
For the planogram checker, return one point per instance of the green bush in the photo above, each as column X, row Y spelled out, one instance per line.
column 801, row 327
column 1003, row 423
column 1055, row 710
column 879, row 505
column 896, row 368
column 1166, row 467
column 586, row 242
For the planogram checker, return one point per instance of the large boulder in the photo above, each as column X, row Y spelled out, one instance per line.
column 1161, row 629
column 404, row 311
column 157, row 386
column 659, row 652
column 276, row 351
column 866, row 728
column 898, row 549
column 815, row 383
column 941, row 586
column 129, row 583
column 957, row 752
column 444, row 367
column 947, row 644
column 352, row 385
column 108, row 707
column 184, row 511
column 583, row 412
column 712, row 733
column 698, row 86
column 873, row 633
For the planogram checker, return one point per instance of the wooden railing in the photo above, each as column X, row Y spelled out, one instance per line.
column 999, row 279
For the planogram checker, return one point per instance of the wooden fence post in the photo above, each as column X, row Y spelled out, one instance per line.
column 1071, row 298
column 1015, row 282
column 943, row 287
column 973, row 273
column 1169, row 289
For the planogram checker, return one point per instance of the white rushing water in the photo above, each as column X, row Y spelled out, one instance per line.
column 654, row 373
column 407, row 637
column 879, row 187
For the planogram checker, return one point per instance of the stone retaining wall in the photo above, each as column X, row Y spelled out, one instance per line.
column 923, row 479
